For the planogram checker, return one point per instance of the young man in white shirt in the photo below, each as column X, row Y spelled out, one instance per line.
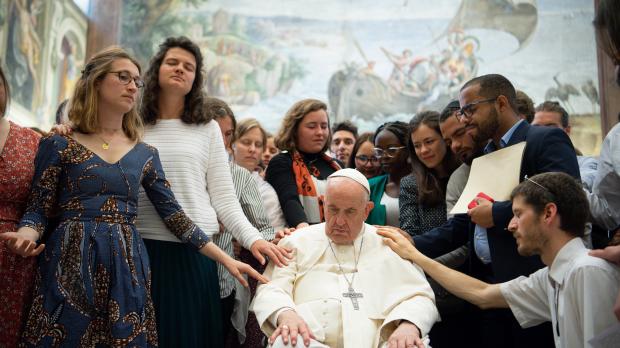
column 574, row 291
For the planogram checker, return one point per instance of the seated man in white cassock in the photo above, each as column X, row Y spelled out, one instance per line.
column 344, row 287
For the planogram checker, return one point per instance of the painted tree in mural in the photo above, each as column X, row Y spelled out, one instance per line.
column 241, row 68
column 149, row 22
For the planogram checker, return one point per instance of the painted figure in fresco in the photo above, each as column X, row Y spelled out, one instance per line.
column 68, row 70
column 29, row 41
column 400, row 71
column 426, row 82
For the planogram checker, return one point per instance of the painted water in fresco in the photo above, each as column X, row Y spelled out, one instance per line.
column 377, row 61
column 370, row 61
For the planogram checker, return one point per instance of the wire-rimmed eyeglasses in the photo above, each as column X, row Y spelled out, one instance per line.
column 389, row 152
column 125, row 78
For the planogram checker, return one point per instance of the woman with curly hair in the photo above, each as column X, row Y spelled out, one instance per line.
column 186, row 295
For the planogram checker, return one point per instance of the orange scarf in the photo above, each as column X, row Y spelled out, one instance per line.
column 308, row 195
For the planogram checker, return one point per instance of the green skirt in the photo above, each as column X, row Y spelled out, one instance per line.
column 186, row 296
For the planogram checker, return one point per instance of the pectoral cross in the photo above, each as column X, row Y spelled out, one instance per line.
column 353, row 296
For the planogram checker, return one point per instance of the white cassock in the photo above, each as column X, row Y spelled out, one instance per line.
column 313, row 285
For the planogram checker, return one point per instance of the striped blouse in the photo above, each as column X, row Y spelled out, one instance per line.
column 252, row 205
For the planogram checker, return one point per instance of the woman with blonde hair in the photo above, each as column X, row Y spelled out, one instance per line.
column 299, row 172
column 93, row 285
column 248, row 145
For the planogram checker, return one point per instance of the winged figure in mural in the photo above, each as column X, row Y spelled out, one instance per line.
column 429, row 82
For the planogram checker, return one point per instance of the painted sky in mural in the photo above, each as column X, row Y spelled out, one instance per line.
column 376, row 61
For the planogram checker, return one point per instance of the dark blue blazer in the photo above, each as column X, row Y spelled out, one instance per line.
column 547, row 150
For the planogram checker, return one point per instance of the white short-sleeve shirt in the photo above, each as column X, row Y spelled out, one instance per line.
column 577, row 294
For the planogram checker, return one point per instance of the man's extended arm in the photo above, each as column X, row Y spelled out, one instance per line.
column 443, row 239
column 470, row 289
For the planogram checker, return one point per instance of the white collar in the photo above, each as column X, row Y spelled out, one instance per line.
column 565, row 258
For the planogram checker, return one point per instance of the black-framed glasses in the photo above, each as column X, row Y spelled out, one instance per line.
column 125, row 78
column 467, row 111
column 389, row 152
column 363, row 159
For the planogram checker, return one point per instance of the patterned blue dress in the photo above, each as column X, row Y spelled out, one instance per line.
column 93, row 281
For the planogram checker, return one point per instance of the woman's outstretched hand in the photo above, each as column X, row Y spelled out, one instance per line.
column 238, row 269
column 23, row 242
column 395, row 239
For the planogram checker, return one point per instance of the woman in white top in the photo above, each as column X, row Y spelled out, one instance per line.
column 248, row 146
column 185, row 284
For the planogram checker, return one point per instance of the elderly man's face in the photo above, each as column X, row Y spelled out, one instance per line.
column 346, row 209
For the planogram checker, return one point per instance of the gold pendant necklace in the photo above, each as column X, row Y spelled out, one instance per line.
column 105, row 144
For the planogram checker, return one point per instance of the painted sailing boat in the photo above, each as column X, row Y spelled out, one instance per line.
column 418, row 83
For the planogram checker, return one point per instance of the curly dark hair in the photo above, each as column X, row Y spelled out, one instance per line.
column 431, row 190
column 193, row 112
column 398, row 128
column 562, row 190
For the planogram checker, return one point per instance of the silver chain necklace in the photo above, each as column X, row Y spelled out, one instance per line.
column 351, row 292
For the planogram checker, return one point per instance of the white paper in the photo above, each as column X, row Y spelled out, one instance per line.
column 496, row 174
